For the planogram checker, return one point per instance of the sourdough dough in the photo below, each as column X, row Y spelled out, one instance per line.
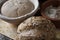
column 1, row 3
column 15, row 8
column 36, row 28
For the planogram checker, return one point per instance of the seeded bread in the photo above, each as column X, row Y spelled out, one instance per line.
column 36, row 28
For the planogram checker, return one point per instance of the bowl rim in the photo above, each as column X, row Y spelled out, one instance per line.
column 28, row 14
column 45, row 5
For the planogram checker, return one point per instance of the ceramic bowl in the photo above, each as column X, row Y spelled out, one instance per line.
column 19, row 19
column 47, row 4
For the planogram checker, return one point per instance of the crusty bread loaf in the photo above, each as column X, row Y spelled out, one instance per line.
column 8, row 29
column 36, row 28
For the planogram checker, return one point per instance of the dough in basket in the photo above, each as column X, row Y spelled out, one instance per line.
column 16, row 8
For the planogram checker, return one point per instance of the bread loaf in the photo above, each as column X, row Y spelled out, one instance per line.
column 36, row 28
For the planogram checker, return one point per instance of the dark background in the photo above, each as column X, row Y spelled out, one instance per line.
column 38, row 13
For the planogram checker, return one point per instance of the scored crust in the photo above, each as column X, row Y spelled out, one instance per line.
column 36, row 28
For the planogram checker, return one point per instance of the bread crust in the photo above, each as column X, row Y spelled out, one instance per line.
column 36, row 28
